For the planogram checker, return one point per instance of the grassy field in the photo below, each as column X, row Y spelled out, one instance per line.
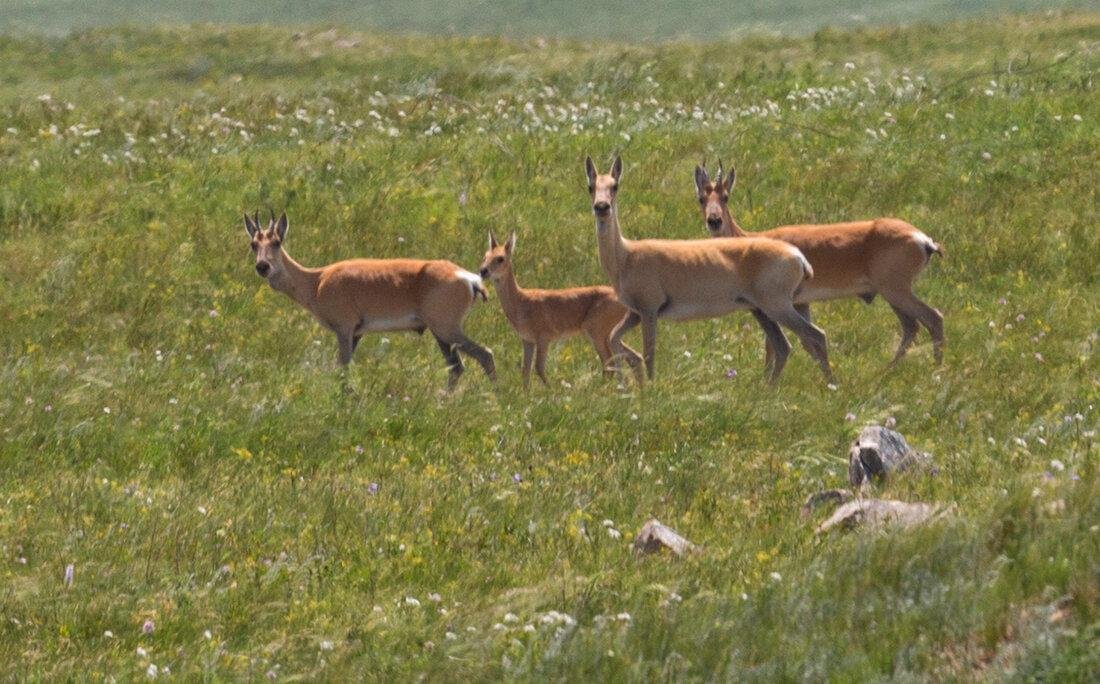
column 176, row 432
column 616, row 19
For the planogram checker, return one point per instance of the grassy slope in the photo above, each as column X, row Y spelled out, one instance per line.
column 225, row 489
column 615, row 19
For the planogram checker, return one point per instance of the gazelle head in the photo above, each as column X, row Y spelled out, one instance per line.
column 267, row 243
column 713, row 198
column 603, row 187
column 498, row 260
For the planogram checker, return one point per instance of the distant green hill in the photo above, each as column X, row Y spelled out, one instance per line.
column 617, row 19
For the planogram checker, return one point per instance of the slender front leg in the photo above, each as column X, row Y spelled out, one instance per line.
column 528, row 357
column 540, row 360
column 346, row 342
column 649, row 342
column 629, row 322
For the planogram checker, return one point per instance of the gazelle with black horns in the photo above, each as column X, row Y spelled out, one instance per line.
column 861, row 259
column 693, row 279
column 358, row 296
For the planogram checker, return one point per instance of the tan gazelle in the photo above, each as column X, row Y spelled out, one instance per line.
column 542, row 316
column 359, row 296
column 691, row 279
column 861, row 259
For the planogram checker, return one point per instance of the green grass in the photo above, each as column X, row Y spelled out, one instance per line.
column 177, row 432
column 607, row 19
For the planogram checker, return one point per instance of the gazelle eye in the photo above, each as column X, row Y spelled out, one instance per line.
column 499, row 260
column 255, row 246
column 276, row 243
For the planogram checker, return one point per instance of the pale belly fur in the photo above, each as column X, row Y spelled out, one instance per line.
column 409, row 322
column 809, row 293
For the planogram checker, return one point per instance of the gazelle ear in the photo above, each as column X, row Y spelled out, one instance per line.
column 701, row 179
column 590, row 172
column 731, row 179
column 511, row 244
column 281, row 226
column 249, row 226
column 617, row 168
column 492, row 240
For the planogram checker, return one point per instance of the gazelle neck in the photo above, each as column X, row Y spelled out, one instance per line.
column 296, row 281
column 612, row 246
column 734, row 227
column 510, row 293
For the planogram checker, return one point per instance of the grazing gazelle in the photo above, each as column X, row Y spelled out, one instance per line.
column 542, row 316
column 690, row 279
column 358, row 296
column 859, row 259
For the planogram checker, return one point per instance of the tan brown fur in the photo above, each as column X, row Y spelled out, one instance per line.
column 540, row 317
column 358, row 296
column 690, row 279
column 857, row 259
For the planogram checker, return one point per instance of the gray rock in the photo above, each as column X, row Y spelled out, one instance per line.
column 655, row 536
column 881, row 513
column 879, row 452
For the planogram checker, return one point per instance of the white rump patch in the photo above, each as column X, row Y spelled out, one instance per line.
column 924, row 241
column 472, row 279
column 806, row 268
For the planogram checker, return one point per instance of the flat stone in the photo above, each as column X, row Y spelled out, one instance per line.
column 882, row 513
column 655, row 536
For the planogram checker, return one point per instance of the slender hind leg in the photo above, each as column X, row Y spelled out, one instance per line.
column 769, row 348
column 909, row 328
column 930, row 318
column 777, row 345
column 480, row 354
column 629, row 322
column 811, row 336
column 602, row 345
column 454, row 362
column 804, row 311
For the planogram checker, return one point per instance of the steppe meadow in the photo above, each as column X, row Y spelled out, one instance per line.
column 191, row 489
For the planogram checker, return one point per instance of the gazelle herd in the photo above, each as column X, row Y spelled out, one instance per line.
column 773, row 274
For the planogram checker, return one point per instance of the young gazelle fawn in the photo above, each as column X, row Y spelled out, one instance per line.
column 859, row 259
column 692, row 279
column 542, row 316
column 358, row 296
